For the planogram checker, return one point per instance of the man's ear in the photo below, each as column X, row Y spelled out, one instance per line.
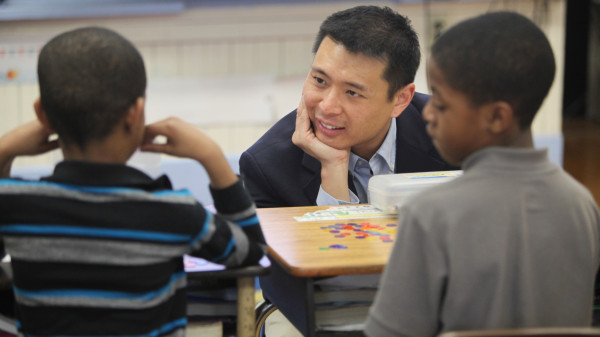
column 41, row 114
column 500, row 117
column 402, row 99
column 135, row 115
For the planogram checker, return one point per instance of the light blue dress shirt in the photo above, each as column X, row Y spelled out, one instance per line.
column 362, row 170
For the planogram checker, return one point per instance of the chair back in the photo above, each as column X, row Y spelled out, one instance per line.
column 537, row 332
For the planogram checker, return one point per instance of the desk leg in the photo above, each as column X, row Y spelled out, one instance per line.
column 245, row 306
column 293, row 296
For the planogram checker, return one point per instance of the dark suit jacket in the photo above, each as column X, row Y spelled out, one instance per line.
column 277, row 173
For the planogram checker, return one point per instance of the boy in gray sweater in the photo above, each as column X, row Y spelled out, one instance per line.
column 514, row 242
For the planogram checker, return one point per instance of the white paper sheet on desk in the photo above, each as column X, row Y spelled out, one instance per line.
column 195, row 264
column 345, row 212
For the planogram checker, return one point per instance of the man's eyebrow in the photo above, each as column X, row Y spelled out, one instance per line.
column 320, row 71
column 357, row 86
column 352, row 84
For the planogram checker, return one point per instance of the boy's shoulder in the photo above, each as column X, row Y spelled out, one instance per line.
column 480, row 192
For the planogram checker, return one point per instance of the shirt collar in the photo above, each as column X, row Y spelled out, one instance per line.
column 105, row 175
column 384, row 159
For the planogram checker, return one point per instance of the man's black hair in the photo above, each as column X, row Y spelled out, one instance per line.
column 377, row 32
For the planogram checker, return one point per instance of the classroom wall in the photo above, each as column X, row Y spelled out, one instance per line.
column 234, row 71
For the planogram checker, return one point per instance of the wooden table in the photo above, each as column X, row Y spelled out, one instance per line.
column 300, row 252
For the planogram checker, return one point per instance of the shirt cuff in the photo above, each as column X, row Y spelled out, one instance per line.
column 324, row 199
column 231, row 199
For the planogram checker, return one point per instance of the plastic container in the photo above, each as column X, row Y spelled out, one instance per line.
column 387, row 192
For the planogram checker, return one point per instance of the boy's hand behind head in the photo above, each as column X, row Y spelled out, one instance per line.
column 187, row 141
column 28, row 139
column 182, row 140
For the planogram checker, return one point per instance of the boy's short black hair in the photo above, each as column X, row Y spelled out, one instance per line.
column 88, row 79
column 377, row 32
column 498, row 56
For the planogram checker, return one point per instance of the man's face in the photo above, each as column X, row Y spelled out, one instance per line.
column 347, row 99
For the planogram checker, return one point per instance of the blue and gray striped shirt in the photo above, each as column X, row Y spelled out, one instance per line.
column 96, row 249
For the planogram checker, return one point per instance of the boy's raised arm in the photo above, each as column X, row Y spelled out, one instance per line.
column 27, row 139
column 236, row 210
column 187, row 141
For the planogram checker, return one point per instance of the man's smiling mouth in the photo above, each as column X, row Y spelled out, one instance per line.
column 330, row 127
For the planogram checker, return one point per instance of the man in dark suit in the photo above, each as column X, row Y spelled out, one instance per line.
column 359, row 116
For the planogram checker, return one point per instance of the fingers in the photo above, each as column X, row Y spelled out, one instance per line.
column 302, row 119
column 301, row 106
column 175, row 137
column 159, row 148
column 303, row 134
column 156, row 129
column 156, row 142
column 299, row 133
column 153, row 131
column 168, row 128
column 149, row 138
column 50, row 145
column 148, row 144
column 31, row 138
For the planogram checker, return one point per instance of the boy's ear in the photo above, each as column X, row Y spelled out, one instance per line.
column 41, row 114
column 135, row 115
column 402, row 99
column 500, row 117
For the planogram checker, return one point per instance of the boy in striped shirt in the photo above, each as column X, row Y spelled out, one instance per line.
column 96, row 248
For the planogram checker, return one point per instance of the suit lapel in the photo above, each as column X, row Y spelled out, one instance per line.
column 310, row 178
column 414, row 150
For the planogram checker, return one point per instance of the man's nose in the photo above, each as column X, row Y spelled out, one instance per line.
column 331, row 103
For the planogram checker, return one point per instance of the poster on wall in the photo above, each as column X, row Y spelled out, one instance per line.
column 18, row 63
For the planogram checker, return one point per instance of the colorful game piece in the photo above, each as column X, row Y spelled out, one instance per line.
column 362, row 231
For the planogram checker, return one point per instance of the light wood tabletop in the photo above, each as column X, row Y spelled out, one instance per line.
column 318, row 248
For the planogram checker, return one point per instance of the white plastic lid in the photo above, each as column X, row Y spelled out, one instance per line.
column 410, row 181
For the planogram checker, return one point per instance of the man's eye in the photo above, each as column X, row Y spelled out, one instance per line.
column 439, row 107
column 353, row 93
column 319, row 80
